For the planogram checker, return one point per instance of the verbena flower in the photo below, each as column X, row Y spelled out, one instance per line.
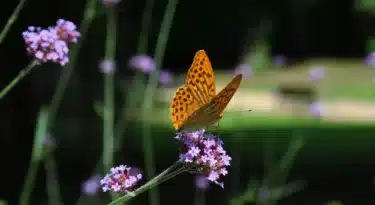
column 49, row 141
column 201, row 182
column 107, row 66
column 165, row 77
column 316, row 109
column 317, row 73
column 110, row 2
column 204, row 153
column 144, row 64
column 279, row 60
column 120, row 179
column 244, row 69
column 264, row 193
column 91, row 186
column 370, row 59
column 51, row 44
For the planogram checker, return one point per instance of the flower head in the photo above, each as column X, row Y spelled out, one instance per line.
column 244, row 69
column 316, row 109
column 107, row 66
column 66, row 31
column 49, row 141
column 120, row 179
column 51, row 44
column 144, row 64
column 202, row 183
column 370, row 59
column 279, row 60
column 165, row 77
column 91, row 186
column 317, row 73
column 205, row 154
column 110, row 2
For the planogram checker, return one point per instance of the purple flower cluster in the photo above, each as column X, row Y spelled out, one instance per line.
column 370, row 59
column 51, row 44
column 205, row 153
column 120, row 179
column 146, row 64
column 110, row 2
column 91, row 186
column 317, row 73
column 244, row 69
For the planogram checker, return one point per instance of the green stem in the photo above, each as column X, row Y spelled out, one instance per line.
column 11, row 20
column 149, row 94
column 67, row 72
column 53, row 190
column 28, row 186
column 19, row 77
column 162, row 177
column 108, row 117
column 146, row 19
column 137, row 83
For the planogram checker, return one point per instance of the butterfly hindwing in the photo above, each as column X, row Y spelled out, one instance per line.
column 182, row 106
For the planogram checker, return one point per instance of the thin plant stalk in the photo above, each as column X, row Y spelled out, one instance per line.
column 109, row 107
column 62, row 84
column 36, row 157
column 146, row 20
column 23, row 73
column 28, row 186
column 162, row 177
column 11, row 20
column 149, row 95
column 53, row 190
column 137, row 82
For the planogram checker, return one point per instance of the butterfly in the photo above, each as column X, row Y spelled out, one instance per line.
column 195, row 104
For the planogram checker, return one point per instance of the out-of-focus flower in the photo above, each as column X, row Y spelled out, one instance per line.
column 165, row 77
column 107, row 66
column 279, row 60
column 204, row 153
column 120, row 179
column 144, row 64
column 110, row 2
column 244, row 69
column 91, row 186
column 317, row 73
column 370, row 59
column 49, row 141
column 264, row 193
column 316, row 109
column 51, row 45
column 201, row 182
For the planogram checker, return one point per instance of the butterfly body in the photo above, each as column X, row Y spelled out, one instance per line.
column 196, row 104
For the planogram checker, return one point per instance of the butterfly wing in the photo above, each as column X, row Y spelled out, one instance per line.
column 212, row 111
column 183, row 105
column 202, row 78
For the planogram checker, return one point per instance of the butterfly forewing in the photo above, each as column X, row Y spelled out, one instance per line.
column 217, row 105
column 202, row 78
column 212, row 111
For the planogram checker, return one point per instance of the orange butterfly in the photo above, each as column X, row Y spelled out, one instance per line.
column 195, row 104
